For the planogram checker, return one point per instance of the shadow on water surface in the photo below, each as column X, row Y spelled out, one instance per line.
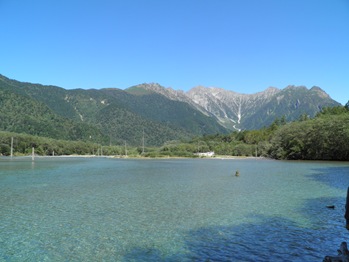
column 270, row 239
column 336, row 176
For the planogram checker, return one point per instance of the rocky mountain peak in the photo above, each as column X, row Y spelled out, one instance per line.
column 271, row 90
column 319, row 92
column 293, row 87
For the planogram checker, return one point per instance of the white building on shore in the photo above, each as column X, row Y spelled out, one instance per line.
column 205, row 154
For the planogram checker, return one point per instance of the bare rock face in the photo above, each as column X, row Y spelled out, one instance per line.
column 228, row 106
column 238, row 111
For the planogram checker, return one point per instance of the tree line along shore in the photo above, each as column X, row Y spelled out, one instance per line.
column 324, row 137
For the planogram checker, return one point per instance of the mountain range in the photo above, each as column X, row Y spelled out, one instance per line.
column 147, row 112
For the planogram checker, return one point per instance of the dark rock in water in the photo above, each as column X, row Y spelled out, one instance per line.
column 332, row 206
column 343, row 254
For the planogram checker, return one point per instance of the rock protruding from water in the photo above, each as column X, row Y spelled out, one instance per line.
column 343, row 254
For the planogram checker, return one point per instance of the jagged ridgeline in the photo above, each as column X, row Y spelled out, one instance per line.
column 149, row 111
column 237, row 111
column 254, row 111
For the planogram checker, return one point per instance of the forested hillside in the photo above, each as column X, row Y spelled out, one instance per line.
column 22, row 115
column 291, row 103
column 106, row 116
column 326, row 137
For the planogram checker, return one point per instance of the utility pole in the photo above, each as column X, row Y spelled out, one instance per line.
column 143, row 143
column 125, row 149
column 11, row 147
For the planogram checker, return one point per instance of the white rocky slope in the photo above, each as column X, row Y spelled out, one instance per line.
column 235, row 110
column 228, row 106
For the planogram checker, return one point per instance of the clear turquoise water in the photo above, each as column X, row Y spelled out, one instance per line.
column 74, row 209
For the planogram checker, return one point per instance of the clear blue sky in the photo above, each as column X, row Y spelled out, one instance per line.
column 241, row 45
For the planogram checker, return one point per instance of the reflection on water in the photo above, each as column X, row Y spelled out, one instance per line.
column 170, row 210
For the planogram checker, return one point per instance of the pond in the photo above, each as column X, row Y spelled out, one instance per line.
column 99, row 209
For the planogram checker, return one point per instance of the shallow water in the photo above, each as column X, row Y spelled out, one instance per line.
column 96, row 209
